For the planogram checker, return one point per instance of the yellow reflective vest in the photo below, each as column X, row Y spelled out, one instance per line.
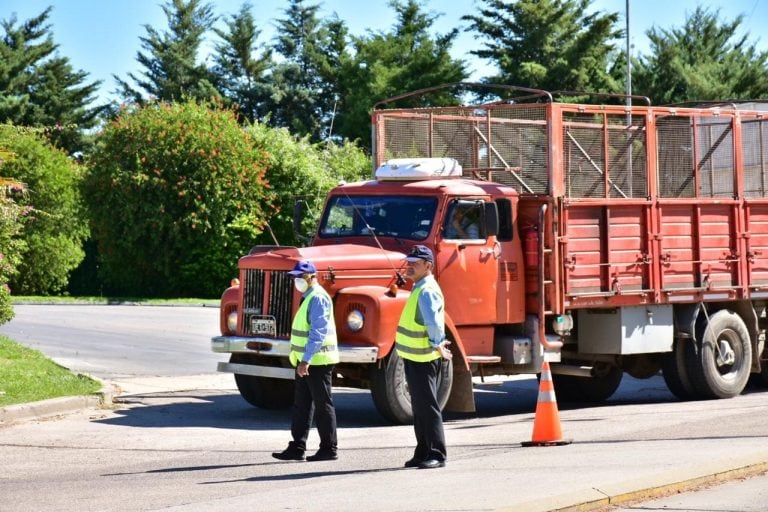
column 329, row 351
column 411, row 340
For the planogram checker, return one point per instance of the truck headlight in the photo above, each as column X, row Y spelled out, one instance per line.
column 355, row 320
column 232, row 321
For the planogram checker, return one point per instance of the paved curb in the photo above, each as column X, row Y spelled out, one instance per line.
column 54, row 407
column 648, row 488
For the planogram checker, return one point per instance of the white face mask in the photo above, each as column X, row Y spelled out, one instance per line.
column 301, row 284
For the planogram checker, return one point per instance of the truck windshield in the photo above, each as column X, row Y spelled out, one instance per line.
column 396, row 216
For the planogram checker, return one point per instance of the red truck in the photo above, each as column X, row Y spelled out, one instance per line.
column 606, row 239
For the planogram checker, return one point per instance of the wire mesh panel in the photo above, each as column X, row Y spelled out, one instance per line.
column 504, row 143
column 695, row 156
column 754, row 134
column 674, row 143
column 714, row 153
column 604, row 155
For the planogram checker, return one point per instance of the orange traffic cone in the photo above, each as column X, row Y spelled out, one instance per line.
column 546, row 423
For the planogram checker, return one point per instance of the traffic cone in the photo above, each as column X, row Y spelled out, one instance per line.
column 546, row 423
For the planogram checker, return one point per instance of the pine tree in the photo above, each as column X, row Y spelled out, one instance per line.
column 303, row 86
column 702, row 60
column 241, row 64
column 171, row 71
column 548, row 44
column 386, row 64
column 39, row 88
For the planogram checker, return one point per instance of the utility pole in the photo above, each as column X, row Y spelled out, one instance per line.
column 629, row 60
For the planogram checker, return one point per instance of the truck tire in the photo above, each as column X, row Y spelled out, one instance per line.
column 389, row 389
column 673, row 369
column 263, row 392
column 719, row 363
column 569, row 388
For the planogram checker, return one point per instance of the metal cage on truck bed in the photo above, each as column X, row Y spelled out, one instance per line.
column 644, row 204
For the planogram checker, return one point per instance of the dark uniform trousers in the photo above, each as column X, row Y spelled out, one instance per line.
column 427, row 418
column 312, row 398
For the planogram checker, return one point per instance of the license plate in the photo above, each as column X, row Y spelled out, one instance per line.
column 264, row 326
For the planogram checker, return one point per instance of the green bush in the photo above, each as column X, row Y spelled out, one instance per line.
column 54, row 226
column 297, row 169
column 177, row 192
column 9, row 247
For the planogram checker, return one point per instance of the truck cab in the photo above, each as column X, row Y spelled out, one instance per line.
column 365, row 230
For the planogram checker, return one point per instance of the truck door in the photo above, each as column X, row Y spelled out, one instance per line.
column 466, row 266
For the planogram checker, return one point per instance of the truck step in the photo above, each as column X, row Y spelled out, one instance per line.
column 484, row 359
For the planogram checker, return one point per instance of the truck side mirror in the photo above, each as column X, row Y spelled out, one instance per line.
column 491, row 216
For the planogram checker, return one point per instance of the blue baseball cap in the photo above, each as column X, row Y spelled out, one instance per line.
column 420, row 252
column 303, row 267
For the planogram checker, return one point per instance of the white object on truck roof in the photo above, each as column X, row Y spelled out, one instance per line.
column 419, row 169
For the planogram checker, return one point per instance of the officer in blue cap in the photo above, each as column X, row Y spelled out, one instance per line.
column 420, row 341
column 314, row 353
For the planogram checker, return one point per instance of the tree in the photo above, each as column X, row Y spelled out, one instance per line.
column 239, row 69
column 548, row 44
column 702, row 60
column 302, row 87
column 11, row 215
column 387, row 64
column 39, row 88
column 171, row 71
column 300, row 170
column 176, row 193
column 54, row 225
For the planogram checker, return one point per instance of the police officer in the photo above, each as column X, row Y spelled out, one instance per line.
column 420, row 341
column 313, row 353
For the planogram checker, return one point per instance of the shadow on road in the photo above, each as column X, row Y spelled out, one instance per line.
column 354, row 407
column 212, row 409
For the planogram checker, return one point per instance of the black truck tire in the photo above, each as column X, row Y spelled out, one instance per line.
column 263, row 392
column 673, row 368
column 711, row 375
column 389, row 388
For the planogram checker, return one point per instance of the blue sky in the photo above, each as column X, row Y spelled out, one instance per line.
column 101, row 37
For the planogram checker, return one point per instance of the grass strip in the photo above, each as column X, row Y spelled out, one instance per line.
column 26, row 375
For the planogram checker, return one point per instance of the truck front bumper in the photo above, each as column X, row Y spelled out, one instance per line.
column 277, row 348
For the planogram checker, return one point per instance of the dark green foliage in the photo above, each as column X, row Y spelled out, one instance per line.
column 39, row 88
column 548, row 44
column 239, row 70
column 177, row 194
column 387, row 64
column 171, row 71
column 54, row 225
column 702, row 60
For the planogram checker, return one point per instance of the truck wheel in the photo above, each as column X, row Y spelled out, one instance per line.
column 719, row 364
column 389, row 389
column 569, row 388
column 263, row 392
column 674, row 371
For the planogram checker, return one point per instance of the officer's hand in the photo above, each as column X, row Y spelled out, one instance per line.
column 303, row 369
column 444, row 351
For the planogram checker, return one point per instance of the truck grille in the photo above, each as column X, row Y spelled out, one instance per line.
column 276, row 303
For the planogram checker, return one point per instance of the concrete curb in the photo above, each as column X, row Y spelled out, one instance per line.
column 54, row 407
column 648, row 488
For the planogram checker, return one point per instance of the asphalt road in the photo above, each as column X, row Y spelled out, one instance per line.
column 119, row 341
column 193, row 444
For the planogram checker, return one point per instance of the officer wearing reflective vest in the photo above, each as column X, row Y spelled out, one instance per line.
column 420, row 341
column 314, row 353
